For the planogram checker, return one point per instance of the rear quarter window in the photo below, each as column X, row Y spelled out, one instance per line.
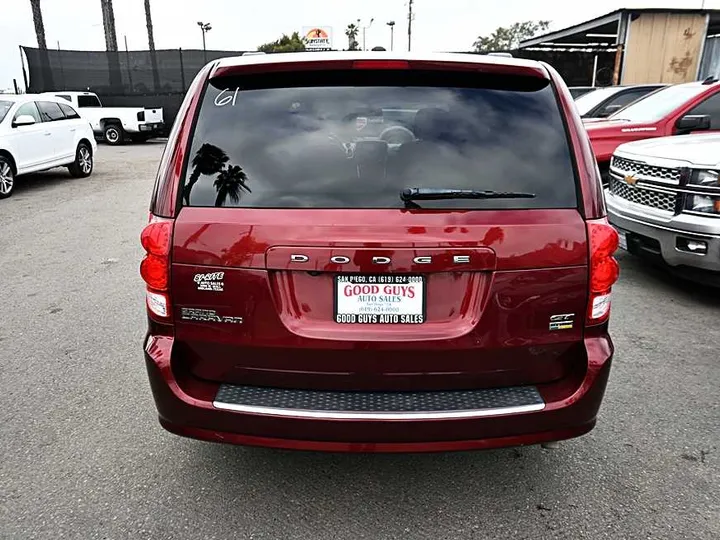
column 356, row 139
column 50, row 111
column 5, row 107
column 88, row 101
column 68, row 111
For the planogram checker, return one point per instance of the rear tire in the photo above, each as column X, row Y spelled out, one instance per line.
column 82, row 167
column 113, row 134
column 7, row 178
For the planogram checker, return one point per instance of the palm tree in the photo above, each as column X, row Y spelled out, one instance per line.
column 208, row 160
column 149, row 24
column 352, row 33
column 151, row 46
column 230, row 183
column 45, row 82
column 38, row 21
column 109, row 25
column 111, row 48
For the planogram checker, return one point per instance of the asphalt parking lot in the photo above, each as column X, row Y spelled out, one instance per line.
column 84, row 457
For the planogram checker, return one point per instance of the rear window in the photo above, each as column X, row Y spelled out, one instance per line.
column 88, row 101
column 357, row 139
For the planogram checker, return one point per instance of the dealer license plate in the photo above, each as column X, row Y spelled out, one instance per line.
column 379, row 299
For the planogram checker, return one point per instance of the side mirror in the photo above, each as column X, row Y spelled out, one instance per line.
column 23, row 120
column 693, row 122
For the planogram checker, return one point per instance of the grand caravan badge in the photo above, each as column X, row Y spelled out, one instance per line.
column 207, row 315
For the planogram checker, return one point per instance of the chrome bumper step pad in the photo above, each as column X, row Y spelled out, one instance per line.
column 330, row 405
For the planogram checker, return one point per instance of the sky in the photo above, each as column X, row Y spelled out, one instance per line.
column 439, row 25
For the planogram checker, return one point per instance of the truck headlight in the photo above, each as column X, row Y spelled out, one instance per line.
column 707, row 204
column 705, row 178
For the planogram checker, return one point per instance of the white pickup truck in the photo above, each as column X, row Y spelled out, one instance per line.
column 116, row 124
column 664, row 199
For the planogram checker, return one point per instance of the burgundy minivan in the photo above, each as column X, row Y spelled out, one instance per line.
column 373, row 252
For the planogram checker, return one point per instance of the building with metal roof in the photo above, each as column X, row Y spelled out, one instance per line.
column 650, row 45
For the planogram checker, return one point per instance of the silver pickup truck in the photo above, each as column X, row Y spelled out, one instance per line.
column 664, row 199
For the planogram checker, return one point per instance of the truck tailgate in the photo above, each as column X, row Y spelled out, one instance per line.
column 153, row 115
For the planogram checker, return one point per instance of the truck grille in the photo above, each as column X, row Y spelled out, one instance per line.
column 661, row 174
column 639, row 195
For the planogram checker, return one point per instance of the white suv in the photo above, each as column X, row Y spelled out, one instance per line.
column 41, row 132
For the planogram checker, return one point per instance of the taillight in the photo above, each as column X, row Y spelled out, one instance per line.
column 381, row 64
column 604, row 269
column 155, row 266
column 141, row 116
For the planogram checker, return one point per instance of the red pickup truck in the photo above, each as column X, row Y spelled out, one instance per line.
column 675, row 110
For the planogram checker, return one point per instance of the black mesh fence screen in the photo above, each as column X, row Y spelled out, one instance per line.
column 161, row 78
column 135, row 78
column 576, row 67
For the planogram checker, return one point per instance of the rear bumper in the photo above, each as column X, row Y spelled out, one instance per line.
column 152, row 129
column 185, row 407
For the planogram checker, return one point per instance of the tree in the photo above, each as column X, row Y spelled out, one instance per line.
column 503, row 39
column 208, row 160
column 231, row 182
column 293, row 43
column 352, row 33
column 151, row 45
column 38, row 22
column 109, row 25
column 44, row 83
column 149, row 24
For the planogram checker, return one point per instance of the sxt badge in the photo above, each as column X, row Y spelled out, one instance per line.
column 562, row 322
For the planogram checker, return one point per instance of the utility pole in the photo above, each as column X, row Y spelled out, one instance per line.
column 391, row 24
column 410, row 21
column 62, row 70
column 127, row 60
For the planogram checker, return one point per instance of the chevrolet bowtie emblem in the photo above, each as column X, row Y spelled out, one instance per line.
column 631, row 180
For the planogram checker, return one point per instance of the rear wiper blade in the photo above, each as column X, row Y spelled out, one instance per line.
column 432, row 194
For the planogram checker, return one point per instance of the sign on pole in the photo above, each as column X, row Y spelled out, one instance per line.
column 317, row 38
